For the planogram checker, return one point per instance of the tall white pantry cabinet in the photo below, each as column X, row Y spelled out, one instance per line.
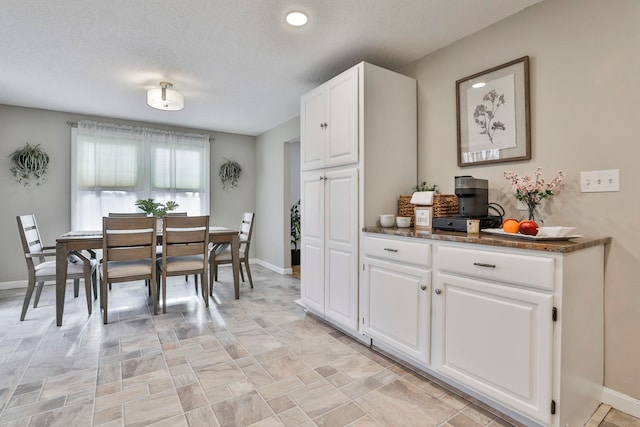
column 358, row 152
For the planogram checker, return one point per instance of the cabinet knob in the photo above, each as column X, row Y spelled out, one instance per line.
column 438, row 291
column 423, row 287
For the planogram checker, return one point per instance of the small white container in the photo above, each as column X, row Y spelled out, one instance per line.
column 387, row 220
column 403, row 221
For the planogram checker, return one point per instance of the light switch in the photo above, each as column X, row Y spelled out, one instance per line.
column 600, row 181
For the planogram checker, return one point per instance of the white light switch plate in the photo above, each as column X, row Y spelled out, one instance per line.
column 600, row 181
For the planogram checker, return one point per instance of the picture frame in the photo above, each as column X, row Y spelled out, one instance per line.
column 493, row 115
column 424, row 217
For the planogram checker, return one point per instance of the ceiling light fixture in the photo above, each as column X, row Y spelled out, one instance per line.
column 165, row 98
column 296, row 19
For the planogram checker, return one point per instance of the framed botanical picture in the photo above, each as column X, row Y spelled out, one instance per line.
column 492, row 109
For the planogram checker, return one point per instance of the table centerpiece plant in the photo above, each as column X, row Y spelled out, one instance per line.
column 158, row 209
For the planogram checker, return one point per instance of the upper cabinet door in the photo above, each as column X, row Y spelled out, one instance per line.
column 342, row 119
column 329, row 123
column 312, row 130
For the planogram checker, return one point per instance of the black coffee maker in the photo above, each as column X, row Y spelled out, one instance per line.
column 473, row 196
column 473, row 203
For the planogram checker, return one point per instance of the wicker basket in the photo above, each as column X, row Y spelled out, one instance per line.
column 443, row 205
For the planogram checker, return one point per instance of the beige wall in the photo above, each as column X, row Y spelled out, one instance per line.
column 585, row 86
column 271, row 230
column 51, row 201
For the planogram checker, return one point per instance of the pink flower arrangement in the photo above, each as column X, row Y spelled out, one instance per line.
column 531, row 189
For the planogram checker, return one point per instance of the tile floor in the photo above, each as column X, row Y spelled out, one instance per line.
column 258, row 361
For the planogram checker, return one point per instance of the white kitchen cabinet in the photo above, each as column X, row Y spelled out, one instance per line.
column 330, row 244
column 521, row 327
column 329, row 124
column 498, row 340
column 358, row 150
column 396, row 293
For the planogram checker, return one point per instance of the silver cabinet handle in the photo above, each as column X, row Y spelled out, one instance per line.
column 482, row 264
column 390, row 250
column 423, row 287
column 438, row 291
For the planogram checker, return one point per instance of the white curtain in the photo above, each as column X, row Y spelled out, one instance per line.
column 113, row 166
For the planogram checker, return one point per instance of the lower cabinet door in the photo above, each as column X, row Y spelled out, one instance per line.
column 498, row 340
column 396, row 309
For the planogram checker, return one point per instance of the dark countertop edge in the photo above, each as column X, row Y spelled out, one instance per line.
column 562, row 246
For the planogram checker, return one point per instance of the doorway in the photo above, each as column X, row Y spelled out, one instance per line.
column 292, row 199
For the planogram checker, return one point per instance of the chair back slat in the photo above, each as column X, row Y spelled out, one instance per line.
column 135, row 238
column 185, row 236
column 185, row 250
column 127, row 214
column 129, row 253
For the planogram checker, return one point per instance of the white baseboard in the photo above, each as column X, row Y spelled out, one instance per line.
column 13, row 285
column 621, row 402
column 279, row 270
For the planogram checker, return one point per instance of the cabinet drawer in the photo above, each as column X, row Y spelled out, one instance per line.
column 398, row 250
column 519, row 269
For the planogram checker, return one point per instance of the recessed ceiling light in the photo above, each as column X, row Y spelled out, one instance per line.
column 296, row 19
column 478, row 85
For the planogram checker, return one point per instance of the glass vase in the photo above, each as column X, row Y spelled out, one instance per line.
column 532, row 207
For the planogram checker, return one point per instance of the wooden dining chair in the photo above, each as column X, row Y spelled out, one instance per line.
column 40, row 270
column 223, row 256
column 185, row 247
column 129, row 253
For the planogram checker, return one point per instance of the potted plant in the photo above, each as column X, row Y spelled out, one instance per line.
column 153, row 208
column 229, row 173
column 295, row 233
column 29, row 162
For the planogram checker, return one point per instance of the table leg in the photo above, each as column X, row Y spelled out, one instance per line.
column 61, row 279
column 235, row 258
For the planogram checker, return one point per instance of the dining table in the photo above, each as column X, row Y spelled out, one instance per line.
column 88, row 240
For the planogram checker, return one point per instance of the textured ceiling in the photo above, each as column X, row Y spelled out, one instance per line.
column 239, row 66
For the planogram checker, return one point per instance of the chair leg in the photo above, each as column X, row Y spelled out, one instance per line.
column 87, row 289
column 27, row 298
column 164, row 293
column 195, row 279
column 94, row 281
column 103, row 299
column 204, row 288
column 246, row 265
column 39, row 287
column 240, row 268
column 76, row 288
column 210, row 279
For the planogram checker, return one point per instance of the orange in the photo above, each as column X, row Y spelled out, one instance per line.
column 511, row 226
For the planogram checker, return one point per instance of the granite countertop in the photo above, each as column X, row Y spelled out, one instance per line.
column 563, row 246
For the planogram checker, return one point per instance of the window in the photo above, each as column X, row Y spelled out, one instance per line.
column 113, row 166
